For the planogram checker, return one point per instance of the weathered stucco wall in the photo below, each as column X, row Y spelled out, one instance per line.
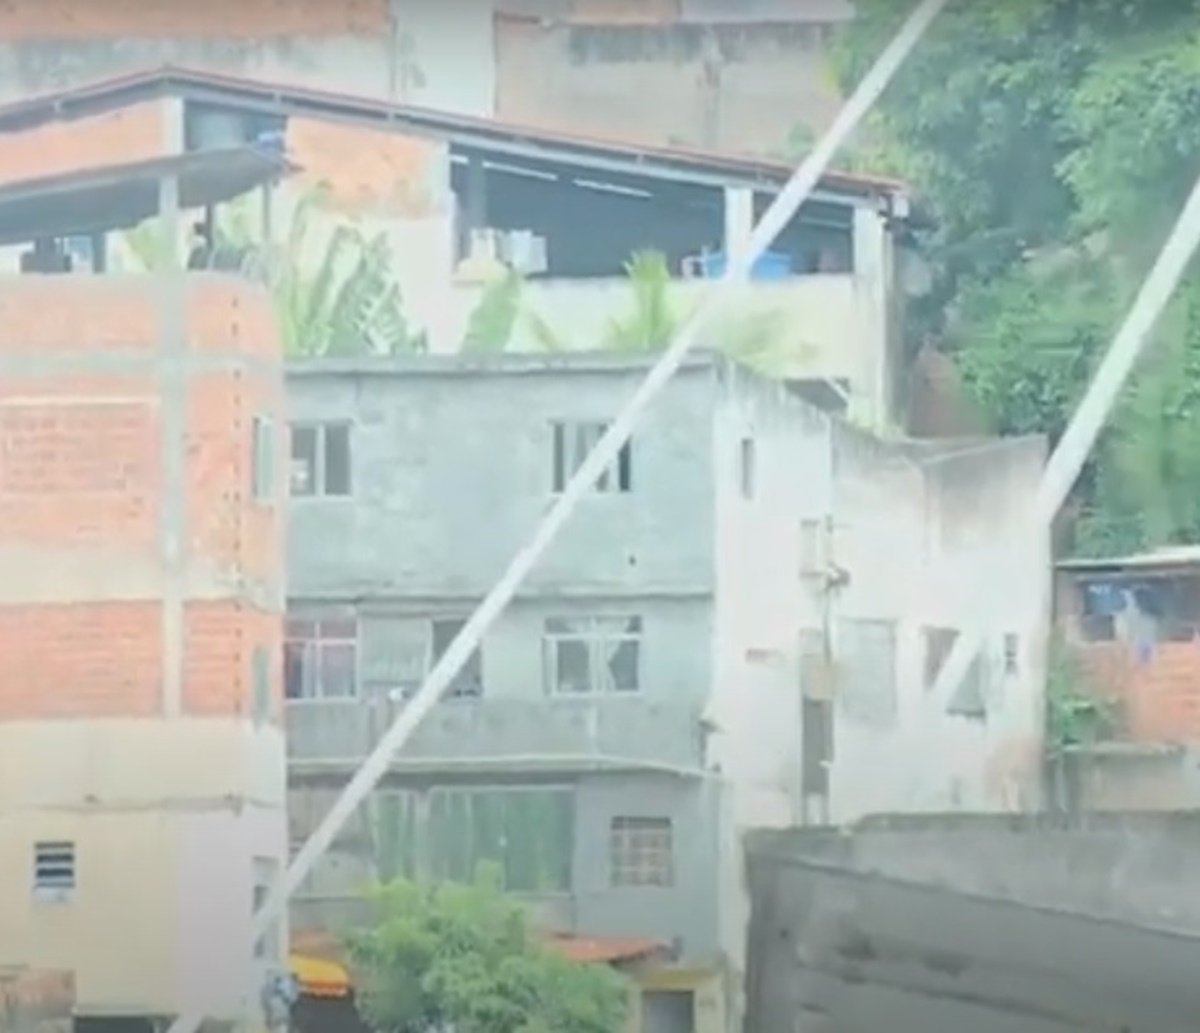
column 719, row 86
column 418, row 51
column 971, row 922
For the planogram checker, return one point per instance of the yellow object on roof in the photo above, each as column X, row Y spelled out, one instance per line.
column 318, row 977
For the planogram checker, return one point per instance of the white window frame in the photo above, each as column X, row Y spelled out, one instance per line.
column 262, row 460
column 571, row 441
column 320, row 430
column 425, row 625
column 596, row 638
column 313, row 647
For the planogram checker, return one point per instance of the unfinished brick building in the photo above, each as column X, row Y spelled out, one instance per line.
column 141, row 757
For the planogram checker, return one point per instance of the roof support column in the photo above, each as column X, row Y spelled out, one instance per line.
column 172, row 399
column 739, row 220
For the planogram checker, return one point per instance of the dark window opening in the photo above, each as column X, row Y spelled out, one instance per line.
column 746, row 469
column 320, row 460
column 468, row 683
column 320, row 659
column 571, row 445
column 1170, row 604
column 54, row 867
column 590, row 222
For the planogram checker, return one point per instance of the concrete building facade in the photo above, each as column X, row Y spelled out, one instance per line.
column 461, row 201
column 141, row 534
column 695, row 657
column 720, row 72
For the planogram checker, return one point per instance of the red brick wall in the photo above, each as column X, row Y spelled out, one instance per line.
column 1159, row 698
column 367, row 171
column 136, row 133
column 82, row 470
column 120, row 19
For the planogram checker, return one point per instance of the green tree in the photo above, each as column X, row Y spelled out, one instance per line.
column 1051, row 143
column 463, row 957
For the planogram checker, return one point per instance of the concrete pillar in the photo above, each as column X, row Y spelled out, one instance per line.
column 172, row 380
column 475, row 212
column 739, row 219
column 872, row 395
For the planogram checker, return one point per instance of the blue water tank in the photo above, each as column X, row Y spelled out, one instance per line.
column 771, row 265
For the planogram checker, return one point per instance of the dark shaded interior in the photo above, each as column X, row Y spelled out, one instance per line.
column 594, row 220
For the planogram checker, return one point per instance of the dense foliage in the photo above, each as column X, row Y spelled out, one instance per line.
column 462, row 958
column 1052, row 144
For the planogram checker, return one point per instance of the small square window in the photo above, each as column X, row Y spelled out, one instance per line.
column 54, row 869
column 1012, row 653
column 266, row 871
column 641, row 852
column 320, row 460
column 747, row 472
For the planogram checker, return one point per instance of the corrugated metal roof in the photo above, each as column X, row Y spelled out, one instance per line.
column 465, row 130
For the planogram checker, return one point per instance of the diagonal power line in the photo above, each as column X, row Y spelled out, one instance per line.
column 1066, row 462
column 801, row 184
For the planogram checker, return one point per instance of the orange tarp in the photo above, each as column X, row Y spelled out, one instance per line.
column 318, row 977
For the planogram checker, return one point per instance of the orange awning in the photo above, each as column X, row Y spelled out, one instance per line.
column 609, row 949
column 318, row 977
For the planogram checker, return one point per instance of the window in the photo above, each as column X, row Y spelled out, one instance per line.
column 320, row 460
column 1012, row 653
column 641, row 852
column 866, row 666
column 970, row 697
column 53, row 869
column 592, row 655
column 265, row 871
column 468, row 683
column 260, row 679
column 810, row 547
column 527, row 832
column 938, row 644
column 572, row 444
column 400, row 651
column 320, row 658
column 746, row 471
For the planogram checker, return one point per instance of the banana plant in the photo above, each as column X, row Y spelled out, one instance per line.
column 754, row 339
column 346, row 302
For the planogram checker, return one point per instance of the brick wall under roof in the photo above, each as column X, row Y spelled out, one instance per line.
column 82, row 496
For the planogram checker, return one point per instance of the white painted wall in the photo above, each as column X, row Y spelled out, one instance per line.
column 166, row 819
column 928, row 544
column 922, row 542
column 761, row 603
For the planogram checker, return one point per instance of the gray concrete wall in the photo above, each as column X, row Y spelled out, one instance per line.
column 682, row 915
column 981, row 923
column 514, row 724
column 714, row 86
column 429, row 52
column 452, row 470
